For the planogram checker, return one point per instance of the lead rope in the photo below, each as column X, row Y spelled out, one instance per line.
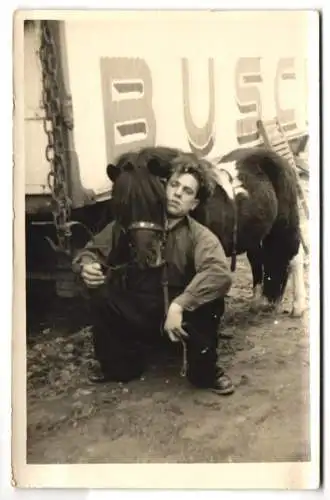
column 235, row 228
column 184, row 367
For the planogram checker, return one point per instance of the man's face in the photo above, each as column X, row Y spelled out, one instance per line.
column 181, row 192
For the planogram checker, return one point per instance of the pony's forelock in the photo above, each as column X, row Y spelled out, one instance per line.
column 137, row 195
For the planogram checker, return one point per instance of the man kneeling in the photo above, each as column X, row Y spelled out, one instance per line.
column 198, row 280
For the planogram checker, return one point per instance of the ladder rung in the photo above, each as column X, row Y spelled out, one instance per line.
column 269, row 123
column 288, row 155
column 282, row 150
column 273, row 133
column 282, row 144
column 278, row 140
column 275, row 137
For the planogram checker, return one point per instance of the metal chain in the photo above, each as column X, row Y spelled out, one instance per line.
column 55, row 149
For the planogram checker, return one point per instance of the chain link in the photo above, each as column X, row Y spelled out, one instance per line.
column 55, row 149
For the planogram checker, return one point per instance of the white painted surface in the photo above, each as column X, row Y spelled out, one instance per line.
column 162, row 40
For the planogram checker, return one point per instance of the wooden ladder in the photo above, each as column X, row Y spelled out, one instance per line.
column 275, row 139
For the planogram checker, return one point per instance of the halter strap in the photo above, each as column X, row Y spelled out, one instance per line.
column 145, row 225
column 164, row 230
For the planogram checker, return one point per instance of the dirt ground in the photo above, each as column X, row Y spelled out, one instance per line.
column 162, row 418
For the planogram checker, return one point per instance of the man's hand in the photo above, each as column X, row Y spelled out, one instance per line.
column 173, row 323
column 92, row 275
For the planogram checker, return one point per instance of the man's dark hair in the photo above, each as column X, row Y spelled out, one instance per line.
column 202, row 170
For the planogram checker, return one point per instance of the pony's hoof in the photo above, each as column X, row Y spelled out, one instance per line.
column 255, row 305
column 266, row 306
column 298, row 310
column 257, row 299
column 258, row 304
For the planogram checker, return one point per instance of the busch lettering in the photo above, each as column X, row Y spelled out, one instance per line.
column 127, row 97
column 248, row 74
column 130, row 118
column 201, row 139
column 285, row 71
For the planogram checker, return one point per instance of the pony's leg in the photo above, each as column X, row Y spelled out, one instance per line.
column 255, row 258
column 298, row 284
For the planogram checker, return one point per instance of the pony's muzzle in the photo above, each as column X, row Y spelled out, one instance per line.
column 147, row 245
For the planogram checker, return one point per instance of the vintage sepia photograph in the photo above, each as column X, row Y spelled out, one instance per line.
column 166, row 307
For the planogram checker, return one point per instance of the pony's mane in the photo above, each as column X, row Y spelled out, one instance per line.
column 163, row 154
column 138, row 195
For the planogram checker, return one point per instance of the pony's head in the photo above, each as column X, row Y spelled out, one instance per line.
column 139, row 200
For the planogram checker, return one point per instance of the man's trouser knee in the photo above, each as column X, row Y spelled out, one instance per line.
column 202, row 327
